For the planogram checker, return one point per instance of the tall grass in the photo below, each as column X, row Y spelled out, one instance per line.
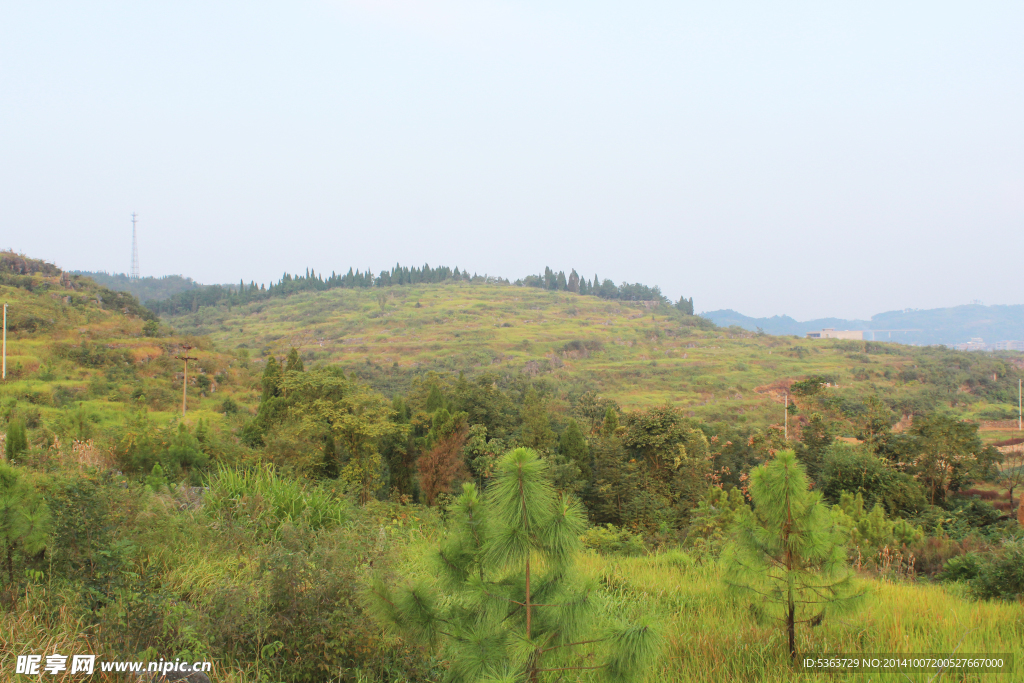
column 274, row 500
column 712, row 637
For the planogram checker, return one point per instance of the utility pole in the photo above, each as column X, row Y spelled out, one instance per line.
column 5, row 341
column 1020, row 404
column 184, row 383
column 135, row 251
column 785, row 433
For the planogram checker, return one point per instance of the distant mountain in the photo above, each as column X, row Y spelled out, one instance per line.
column 145, row 288
column 947, row 326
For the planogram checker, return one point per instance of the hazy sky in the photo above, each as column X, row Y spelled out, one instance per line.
column 773, row 157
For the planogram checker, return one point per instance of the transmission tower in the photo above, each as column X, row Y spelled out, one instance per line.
column 135, row 251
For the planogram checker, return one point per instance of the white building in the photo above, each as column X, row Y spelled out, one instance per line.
column 829, row 333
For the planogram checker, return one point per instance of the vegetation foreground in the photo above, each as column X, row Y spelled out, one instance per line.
column 439, row 501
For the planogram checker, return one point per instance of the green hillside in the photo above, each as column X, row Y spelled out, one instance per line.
column 80, row 357
column 639, row 354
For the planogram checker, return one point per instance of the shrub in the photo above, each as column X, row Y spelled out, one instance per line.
column 610, row 540
column 961, row 568
column 873, row 530
column 1002, row 576
column 713, row 520
column 156, row 481
column 855, row 470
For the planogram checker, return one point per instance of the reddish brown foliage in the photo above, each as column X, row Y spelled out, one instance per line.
column 442, row 465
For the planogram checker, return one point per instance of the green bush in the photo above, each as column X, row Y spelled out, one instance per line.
column 961, row 568
column 713, row 520
column 872, row 530
column 855, row 470
column 156, row 481
column 610, row 540
column 1002, row 576
column 228, row 406
column 183, row 451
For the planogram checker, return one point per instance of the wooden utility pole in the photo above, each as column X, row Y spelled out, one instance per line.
column 5, row 341
column 785, row 433
column 184, row 382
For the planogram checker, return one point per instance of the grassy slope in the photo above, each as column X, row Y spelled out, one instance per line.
column 647, row 356
column 711, row 636
column 50, row 321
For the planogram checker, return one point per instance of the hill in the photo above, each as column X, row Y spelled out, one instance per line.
column 80, row 357
column 145, row 288
column 948, row 326
column 638, row 354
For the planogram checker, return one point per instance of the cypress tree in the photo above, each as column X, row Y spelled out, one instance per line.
column 536, row 430
column 294, row 362
column 573, row 446
column 573, row 284
column 611, row 422
column 789, row 556
column 435, row 399
column 271, row 380
column 505, row 597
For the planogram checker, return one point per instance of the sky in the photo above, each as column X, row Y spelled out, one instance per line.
column 802, row 158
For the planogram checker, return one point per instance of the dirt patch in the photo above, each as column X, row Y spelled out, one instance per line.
column 777, row 390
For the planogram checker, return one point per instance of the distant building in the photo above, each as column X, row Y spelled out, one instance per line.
column 1008, row 345
column 976, row 344
column 829, row 333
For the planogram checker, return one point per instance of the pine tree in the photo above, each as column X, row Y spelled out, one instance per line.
column 789, row 555
column 506, row 602
column 16, row 442
column 24, row 520
column 442, row 463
